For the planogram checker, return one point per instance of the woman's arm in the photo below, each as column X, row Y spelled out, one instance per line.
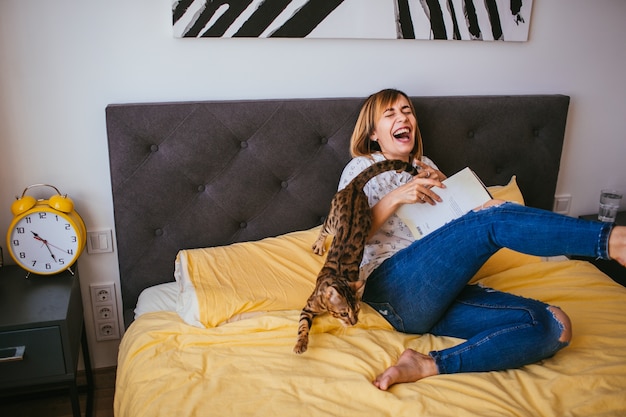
column 418, row 190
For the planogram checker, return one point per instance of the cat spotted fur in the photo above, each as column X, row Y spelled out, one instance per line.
column 338, row 289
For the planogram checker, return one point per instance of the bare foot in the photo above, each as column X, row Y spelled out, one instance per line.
column 411, row 366
column 617, row 244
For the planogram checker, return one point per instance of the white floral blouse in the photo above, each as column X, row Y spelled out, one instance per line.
column 393, row 235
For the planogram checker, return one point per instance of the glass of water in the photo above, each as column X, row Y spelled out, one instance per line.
column 609, row 205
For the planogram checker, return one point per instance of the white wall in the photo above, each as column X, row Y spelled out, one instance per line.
column 63, row 61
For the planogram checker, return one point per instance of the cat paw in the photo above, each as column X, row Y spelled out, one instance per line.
column 318, row 248
column 300, row 347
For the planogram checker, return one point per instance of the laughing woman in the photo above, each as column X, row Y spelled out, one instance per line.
column 421, row 286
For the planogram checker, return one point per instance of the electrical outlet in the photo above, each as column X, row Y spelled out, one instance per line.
column 107, row 330
column 102, row 293
column 105, row 312
column 104, row 308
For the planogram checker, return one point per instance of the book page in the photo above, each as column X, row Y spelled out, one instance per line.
column 464, row 191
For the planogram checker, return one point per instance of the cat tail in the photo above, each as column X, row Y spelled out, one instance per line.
column 380, row 167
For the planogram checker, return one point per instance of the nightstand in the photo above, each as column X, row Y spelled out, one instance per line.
column 41, row 333
column 611, row 268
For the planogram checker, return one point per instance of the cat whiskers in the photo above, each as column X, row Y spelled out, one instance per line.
column 342, row 329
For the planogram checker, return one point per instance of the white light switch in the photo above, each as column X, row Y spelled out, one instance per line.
column 562, row 203
column 100, row 241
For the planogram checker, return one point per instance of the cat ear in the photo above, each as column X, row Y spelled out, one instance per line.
column 331, row 294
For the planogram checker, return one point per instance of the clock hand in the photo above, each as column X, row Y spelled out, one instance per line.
column 45, row 242
column 56, row 247
column 64, row 251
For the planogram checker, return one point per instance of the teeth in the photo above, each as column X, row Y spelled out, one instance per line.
column 400, row 132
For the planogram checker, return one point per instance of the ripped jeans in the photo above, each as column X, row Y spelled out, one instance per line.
column 423, row 288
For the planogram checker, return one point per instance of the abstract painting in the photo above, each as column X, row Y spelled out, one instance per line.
column 500, row 20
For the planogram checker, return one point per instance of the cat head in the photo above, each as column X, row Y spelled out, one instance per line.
column 342, row 301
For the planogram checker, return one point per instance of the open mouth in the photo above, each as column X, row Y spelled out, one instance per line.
column 402, row 133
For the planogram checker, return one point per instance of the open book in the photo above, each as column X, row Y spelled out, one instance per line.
column 464, row 191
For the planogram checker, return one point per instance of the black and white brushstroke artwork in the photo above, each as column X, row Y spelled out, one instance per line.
column 502, row 20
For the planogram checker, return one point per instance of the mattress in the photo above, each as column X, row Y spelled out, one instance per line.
column 245, row 366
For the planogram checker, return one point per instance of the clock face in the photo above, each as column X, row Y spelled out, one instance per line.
column 44, row 242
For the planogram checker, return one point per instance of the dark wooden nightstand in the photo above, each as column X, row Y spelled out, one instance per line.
column 43, row 317
column 611, row 268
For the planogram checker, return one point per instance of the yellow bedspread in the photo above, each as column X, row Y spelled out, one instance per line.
column 247, row 368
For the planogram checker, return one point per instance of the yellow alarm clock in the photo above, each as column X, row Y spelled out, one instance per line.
column 46, row 236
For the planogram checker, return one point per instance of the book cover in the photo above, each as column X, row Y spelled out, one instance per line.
column 464, row 192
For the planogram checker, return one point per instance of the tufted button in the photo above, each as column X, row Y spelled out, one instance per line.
column 201, row 188
column 243, row 144
column 470, row 134
column 284, row 184
column 324, row 141
column 243, row 225
column 158, row 232
column 535, row 132
column 154, row 147
column 499, row 170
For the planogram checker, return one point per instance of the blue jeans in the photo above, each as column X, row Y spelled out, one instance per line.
column 423, row 288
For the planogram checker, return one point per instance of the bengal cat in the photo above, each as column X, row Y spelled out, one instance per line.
column 338, row 289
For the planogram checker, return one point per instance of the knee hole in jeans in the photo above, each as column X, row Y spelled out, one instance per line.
column 564, row 322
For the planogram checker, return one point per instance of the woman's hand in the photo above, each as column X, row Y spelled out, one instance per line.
column 430, row 172
column 420, row 188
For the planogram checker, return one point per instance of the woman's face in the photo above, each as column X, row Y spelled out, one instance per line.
column 395, row 130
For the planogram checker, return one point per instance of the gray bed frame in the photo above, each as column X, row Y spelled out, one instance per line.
column 199, row 174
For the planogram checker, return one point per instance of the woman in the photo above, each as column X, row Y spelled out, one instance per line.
column 421, row 286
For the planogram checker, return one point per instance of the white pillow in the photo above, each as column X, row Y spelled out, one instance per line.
column 160, row 297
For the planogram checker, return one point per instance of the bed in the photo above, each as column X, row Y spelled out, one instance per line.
column 216, row 206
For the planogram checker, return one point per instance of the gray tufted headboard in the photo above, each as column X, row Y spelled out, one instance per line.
column 198, row 174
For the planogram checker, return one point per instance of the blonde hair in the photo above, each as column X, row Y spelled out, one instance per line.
column 361, row 143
